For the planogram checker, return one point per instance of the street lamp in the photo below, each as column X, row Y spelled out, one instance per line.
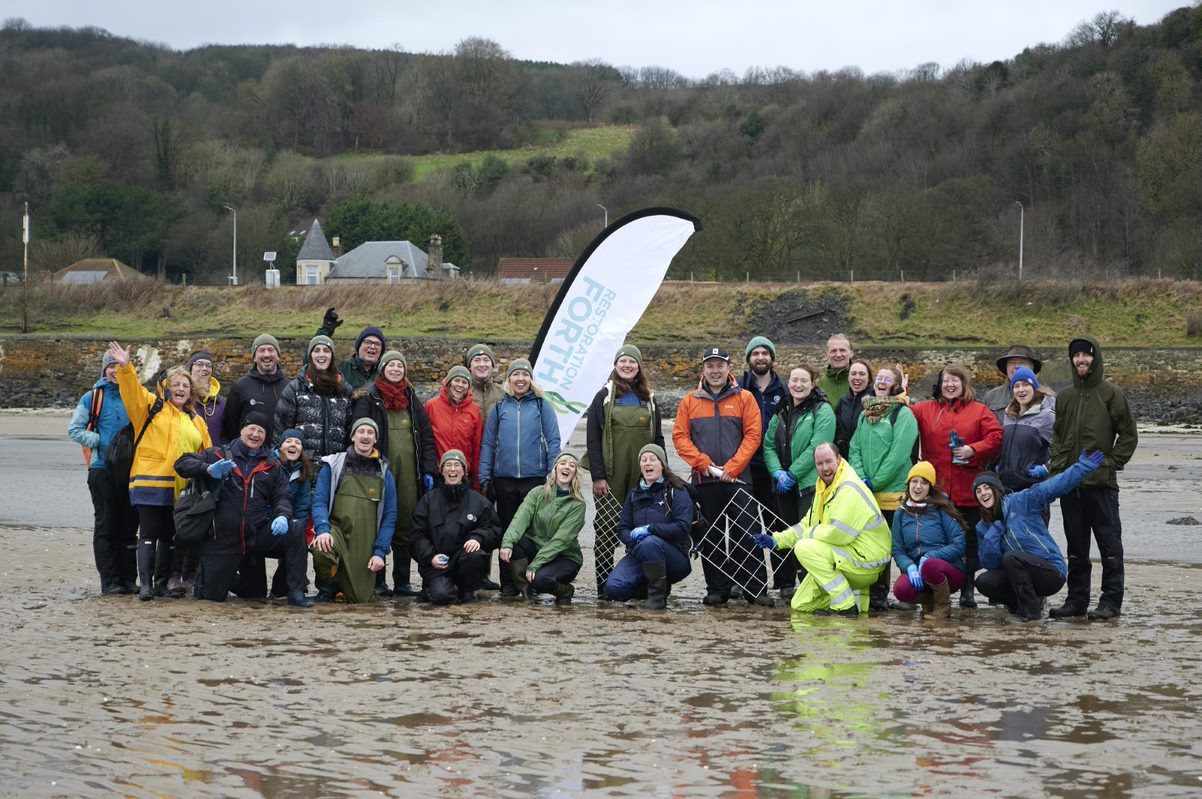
column 234, row 211
column 606, row 210
column 1020, row 240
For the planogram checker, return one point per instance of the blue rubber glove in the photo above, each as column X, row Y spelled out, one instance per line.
column 922, row 560
column 782, row 482
column 764, row 541
column 1037, row 472
column 428, row 482
column 279, row 525
column 791, row 481
column 915, row 577
column 867, row 482
column 220, row 469
column 1092, row 460
column 639, row 533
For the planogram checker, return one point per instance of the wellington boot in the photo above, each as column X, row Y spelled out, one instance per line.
column 297, row 599
column 657, row 586
column 163, row 555
column 563, row 593
column 926, row 598
column 517, row 569
column 968, row 597
column 941, row 601
column 145, row 570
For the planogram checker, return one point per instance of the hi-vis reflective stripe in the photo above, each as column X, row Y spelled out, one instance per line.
column 869, row 501
column 841, row 585
column 871, row 564
column 846, row 528
column 150, row 478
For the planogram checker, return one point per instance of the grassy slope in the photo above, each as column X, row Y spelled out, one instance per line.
column 1129, row 313
column 593, row 143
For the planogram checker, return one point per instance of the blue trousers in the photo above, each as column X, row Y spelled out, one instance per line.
column 627, row 577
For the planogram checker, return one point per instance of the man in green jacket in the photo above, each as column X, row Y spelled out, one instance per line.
column 838, row 360
column 1092, row 414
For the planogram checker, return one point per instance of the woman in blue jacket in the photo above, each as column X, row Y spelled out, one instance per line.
column 1022, row 563
column 928, row 544
column 520, row 443
column 301, row 473
column 99, row 416
column 655, row 526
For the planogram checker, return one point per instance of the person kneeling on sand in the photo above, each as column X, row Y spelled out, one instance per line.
column 928, row 544
column 540, row 546
column 354, row 516
column 1023, row 564
column 843, row 542
column 253, row 514
column 454, row 528
column 655, row 525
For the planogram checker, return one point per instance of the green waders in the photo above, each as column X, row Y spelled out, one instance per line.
column 354, row 522
column 630, row 431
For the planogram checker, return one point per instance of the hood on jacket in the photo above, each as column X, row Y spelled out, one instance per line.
column 1096, row 372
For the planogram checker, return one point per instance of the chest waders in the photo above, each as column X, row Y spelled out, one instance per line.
column 354, row 522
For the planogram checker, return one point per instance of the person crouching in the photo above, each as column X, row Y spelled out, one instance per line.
column 354, row 516
column 454, row 528
column 253, row 515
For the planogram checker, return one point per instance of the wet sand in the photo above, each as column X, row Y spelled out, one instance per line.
column 108, row 695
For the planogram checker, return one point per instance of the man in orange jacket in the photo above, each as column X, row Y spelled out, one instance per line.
column 717, row 431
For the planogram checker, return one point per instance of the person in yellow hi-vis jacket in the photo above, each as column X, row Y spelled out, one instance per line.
column 843, row 542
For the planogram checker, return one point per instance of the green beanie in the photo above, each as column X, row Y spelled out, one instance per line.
column 364, row 420
column 479, row 349
column 567, row 455
column 452, row 455
column 457, row 371
column 657, row 451
column 320, row 339
column 388, row 357
column 264, row 338
column 759, row 341
column 519, row 363
column 631, row 351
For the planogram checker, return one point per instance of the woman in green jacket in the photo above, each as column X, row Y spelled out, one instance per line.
column 541, row 545
column 883, row 449
column 804, row 421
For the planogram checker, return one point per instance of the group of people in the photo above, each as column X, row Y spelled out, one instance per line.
column 845, row 472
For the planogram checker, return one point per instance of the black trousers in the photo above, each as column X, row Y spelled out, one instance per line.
column 722, row 559
column 1021, row 582
column 510, row 492
column 220, row 562
column 461, row 576
column 784, row 566
column 114, row 529
column 972, row 562
column 1093, row 509
column 561, row 569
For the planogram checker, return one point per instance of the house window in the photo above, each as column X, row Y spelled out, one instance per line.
column 394, row 274
column 311, row 278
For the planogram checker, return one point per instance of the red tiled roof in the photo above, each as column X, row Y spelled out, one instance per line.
column 536, row 270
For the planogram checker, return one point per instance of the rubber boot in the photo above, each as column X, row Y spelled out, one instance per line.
column 297, row 599
column 657, row 585
column 163, row 555
column 601, row 595
column 326, row 591
column 941, row 600
column 517, row 570
column 382, row 589
column 563, row 593
column 968, row 597
column 145, row 569
column 926, row 598
column 878, row 594
column 400, row 576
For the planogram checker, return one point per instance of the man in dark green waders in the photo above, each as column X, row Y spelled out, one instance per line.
column 354, row 515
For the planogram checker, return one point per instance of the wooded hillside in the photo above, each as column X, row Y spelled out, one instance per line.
column 133, row 150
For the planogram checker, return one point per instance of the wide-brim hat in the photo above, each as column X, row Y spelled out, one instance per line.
column 1018, row 351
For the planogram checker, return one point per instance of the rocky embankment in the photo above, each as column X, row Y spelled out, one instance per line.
column 1164, row 385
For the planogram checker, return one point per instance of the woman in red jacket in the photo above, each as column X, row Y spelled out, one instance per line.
column 959, row 436
column 456, row 421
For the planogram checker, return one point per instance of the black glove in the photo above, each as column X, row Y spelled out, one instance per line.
column 331, row 321
column 488, row 491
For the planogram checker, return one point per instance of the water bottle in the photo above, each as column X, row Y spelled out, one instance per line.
column 954, row 443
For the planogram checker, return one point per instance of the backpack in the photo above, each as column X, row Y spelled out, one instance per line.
column 196, row 507
column 701, row 524
column 119, row 456
column 93, row 423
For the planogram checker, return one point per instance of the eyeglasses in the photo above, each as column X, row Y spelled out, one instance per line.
column 886, row 380
column 375, row 345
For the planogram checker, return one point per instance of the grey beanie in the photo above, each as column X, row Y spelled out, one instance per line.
column 479, row 349
column 264, row 338
column 519, row 364
column 365, row 420
column 392, row 355
column 319, row 339
column 631, row 351
column 457, row 371
column 105, row 362
column 657, row 451
column 452, row 455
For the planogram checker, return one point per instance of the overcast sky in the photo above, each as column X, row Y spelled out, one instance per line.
column 694, row 37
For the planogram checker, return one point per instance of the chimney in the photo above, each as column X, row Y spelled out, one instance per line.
column 336, row 246
column 434, row 258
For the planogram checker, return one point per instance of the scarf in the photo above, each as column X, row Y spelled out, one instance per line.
column 877, row 408
column 395, row 395
column 326, row 382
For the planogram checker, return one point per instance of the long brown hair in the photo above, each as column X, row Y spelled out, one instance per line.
column 940, row 500
column 959, row 371
column 989, row 515
column 640, row 385
column 306, row 466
